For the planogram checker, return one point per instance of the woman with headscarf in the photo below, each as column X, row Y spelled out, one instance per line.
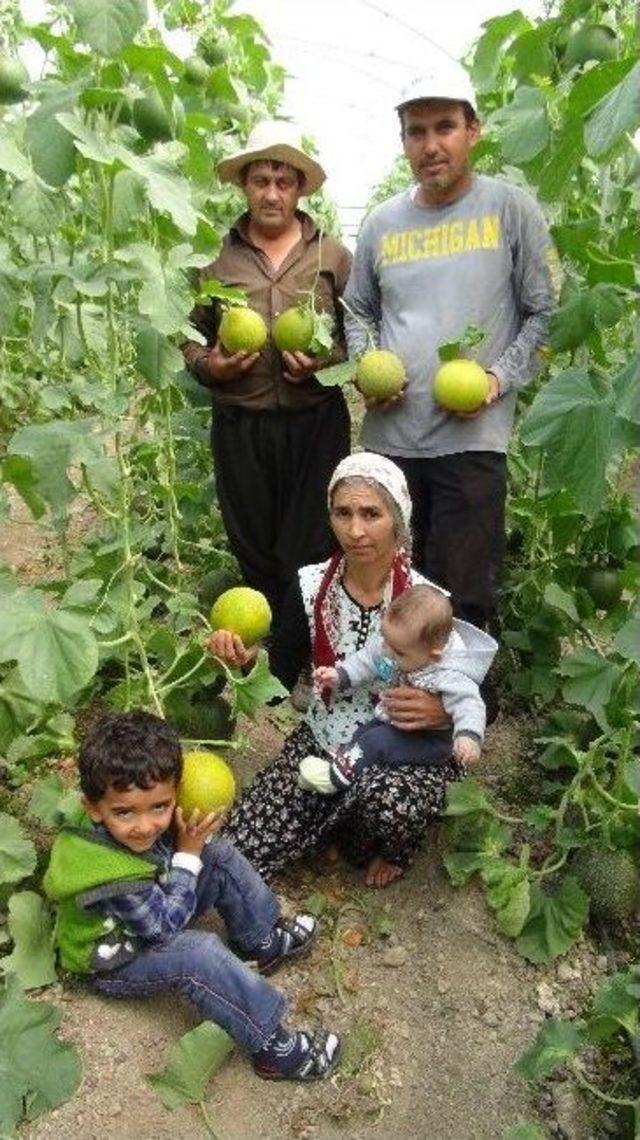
column 333, row 609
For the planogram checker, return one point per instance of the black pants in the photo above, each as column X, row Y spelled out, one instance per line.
column 272, row 470
column 458, row 527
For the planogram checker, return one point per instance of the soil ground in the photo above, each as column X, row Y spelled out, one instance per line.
column 433, row 1004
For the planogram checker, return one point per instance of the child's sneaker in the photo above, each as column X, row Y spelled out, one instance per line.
column 297, row 1055
column 289, row 939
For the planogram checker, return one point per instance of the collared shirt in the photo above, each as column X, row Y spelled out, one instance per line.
column 269, row 291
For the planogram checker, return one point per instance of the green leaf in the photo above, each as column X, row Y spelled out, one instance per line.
column 36, row 207
column 90, row 144
column 508, row 894
column 572, row 417
column 561, row 161
column 321, row 344
column 17, row 853
column 488, row 54
column 53, row 449
column 31, row 928
column 166, row 188
column 157, row 359
column 573, row 322
column 614, row 1007
column 591, row 680
column 52, row 803
column 337, row 374
column 557, row 1042
column 258, row 687
column 56, row 650
column 559, row 599
column 615, row 115
column 555, row 922
column 108, row 25
column 12, row 160
column 461, row 865
column 194, row 1059
column 165, row 296
column 631, row 775
column 627, row 640
column 38, row 1071
column 523, row 125
column 524, row 1131
column 465, row 798
column 51, row 147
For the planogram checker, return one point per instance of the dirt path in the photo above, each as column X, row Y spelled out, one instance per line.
column 435, row 1007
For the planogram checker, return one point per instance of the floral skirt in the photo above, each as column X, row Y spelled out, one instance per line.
column 385, row 812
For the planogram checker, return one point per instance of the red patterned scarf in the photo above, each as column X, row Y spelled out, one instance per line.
column 325, row 607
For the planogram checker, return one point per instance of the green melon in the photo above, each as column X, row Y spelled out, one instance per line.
column 612, row 881
column 242, row 330
column 293, row 330
column 243, row 611
column 13, row 77
column 380, row 374
column 207, row 783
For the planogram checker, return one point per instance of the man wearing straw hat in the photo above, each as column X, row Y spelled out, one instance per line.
column 277, row 433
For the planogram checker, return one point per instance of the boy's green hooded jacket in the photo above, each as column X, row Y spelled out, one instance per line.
column 84, row 869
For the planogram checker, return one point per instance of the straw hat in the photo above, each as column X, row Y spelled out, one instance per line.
column 276, row 141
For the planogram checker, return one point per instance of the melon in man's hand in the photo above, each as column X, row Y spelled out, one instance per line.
column 243, row 611
column 461, row 385
column 242, row 330
column 207, row 783
column 380, row 375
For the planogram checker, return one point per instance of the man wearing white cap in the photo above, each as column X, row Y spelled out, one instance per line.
column 277, row 434
column 456, row 250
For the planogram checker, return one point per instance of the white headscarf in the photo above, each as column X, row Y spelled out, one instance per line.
column 375, row 469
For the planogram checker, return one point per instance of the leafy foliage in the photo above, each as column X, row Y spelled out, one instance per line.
column 194, row 1060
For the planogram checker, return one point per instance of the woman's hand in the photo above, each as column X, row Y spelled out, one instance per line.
column 411, row 709
column 193, row 833
column 230, row 649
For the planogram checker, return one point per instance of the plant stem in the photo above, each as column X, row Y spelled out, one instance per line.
column 363, row 325
column 207, row 1120
column 578, row 1072
column 164, row 689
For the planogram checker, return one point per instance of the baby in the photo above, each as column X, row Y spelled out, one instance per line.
column 424, row 646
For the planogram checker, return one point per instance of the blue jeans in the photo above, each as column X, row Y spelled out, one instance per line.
column 198, row 965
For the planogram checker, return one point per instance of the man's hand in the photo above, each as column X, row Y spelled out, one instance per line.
column 382, row 405
column 298, row 366
column 230, row 648
column 223, row 366
column 466, row 750
column 193, row 833
column 413, row 709
column 492, row 395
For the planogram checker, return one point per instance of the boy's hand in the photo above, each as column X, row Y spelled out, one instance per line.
column 466, row 750
column 193, row 833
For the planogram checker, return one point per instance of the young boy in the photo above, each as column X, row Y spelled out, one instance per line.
column 127, row 886
column 424, row 646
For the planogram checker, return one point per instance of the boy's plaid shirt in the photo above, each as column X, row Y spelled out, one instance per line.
column 160, row 908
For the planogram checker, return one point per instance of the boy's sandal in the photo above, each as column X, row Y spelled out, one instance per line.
column 296, row 939
column 317, row 1063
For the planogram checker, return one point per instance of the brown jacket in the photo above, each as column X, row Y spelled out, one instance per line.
column 269, row 291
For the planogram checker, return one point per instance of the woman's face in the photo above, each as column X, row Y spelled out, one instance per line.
column 363, row 524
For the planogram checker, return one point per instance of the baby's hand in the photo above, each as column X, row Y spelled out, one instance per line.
column 325, row 677
column 193, row 833
column 466, row 750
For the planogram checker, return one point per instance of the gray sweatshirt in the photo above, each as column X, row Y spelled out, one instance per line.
column 423, row 274
column 455, row 676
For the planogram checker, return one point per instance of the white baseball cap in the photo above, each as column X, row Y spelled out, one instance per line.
column 446, row 79
column 279, row 141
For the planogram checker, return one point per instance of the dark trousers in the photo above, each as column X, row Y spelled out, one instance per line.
column 272, row 470
column 380, row 743
column 458, row 527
